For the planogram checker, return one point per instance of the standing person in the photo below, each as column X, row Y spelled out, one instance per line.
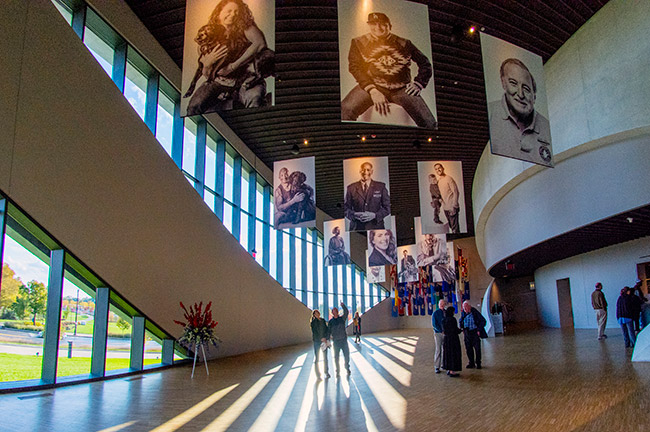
column 319, row 335
column 636, row 295
column 357, row 328
column 473, row 325
column 451, row 354
column 367, row 201
column 645, row 313
column 624, row 316
column 449, row 193
column 340, row 338
column 436, row 321
column 599, row 304
column 380, row 62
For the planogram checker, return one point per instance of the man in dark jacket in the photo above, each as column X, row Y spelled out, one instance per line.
column 340, row 337
column 473, row 325
column 625, row 316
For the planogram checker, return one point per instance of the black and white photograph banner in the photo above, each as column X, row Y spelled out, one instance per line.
column 337, row 243
column 431, row 248
column 517, row 105
column 407, row 270
column 445, row 269
column 367, row 193
column 228, row 55
column 385, row 63
column 382, row 246
column 374, row 274
column 442, row 197
column 293, row 193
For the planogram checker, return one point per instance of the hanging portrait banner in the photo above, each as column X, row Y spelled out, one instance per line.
column 366, row 193
column 293, row 194
column 220, row 73
column 445, row 269
column 517, row 107
column 337, row 243
column 407, row 270
column 374, row 274
column 442, row 197
column 385, row 63
column 431, row 248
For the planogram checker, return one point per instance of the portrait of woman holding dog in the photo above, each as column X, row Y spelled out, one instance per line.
column 229, row 59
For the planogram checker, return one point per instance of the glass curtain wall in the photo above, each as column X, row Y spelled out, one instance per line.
column 229, row 186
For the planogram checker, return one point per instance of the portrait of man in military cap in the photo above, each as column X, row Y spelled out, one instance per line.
column 388, row 71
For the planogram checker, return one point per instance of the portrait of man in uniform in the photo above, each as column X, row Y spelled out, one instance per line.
column 517, row 127
column 367, row 201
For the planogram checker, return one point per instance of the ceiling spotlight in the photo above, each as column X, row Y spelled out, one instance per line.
column 429, row 139
column 295, row 149
column 472, row 29
column 306, row 142
column 363, row 138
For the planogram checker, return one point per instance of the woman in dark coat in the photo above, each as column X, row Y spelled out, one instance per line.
column 451, row 353
column 319, row 335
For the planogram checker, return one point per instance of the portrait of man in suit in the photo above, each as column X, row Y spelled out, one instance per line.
column 367, row 201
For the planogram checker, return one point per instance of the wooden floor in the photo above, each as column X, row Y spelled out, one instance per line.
column 542, row 380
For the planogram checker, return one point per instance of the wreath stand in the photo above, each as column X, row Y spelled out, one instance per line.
column 196, row 352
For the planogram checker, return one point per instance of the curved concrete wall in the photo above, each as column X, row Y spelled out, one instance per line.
column 598, row 95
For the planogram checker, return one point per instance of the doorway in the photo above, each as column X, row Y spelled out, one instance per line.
column 564, row 304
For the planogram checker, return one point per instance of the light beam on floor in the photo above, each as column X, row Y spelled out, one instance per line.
column 119, row 427
column 307, row 401
column 271, row 413
column 392, row 403
column 398, row 372
column 232, row 413
column 186, row 416
column 398, row 354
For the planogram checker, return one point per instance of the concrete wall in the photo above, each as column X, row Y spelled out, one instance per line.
column 614, row 266
column 597, row 92
column 79, row 160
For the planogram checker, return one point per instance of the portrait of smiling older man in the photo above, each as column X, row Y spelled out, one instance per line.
column 516, row 129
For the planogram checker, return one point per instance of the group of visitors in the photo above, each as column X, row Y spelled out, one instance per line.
column 446, row 329
column 322, row 332
column 632, row 312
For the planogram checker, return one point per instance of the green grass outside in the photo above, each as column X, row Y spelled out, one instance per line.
column 16, row 367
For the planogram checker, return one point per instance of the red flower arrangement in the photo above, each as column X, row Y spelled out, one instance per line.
column 199, row 328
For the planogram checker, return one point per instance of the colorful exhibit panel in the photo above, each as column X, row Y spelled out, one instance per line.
column 442, row 197
column 228, row 55
column 337, row 243
column 517, row 106
column 385, row 63
column 367, row 193
column 293, row 195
